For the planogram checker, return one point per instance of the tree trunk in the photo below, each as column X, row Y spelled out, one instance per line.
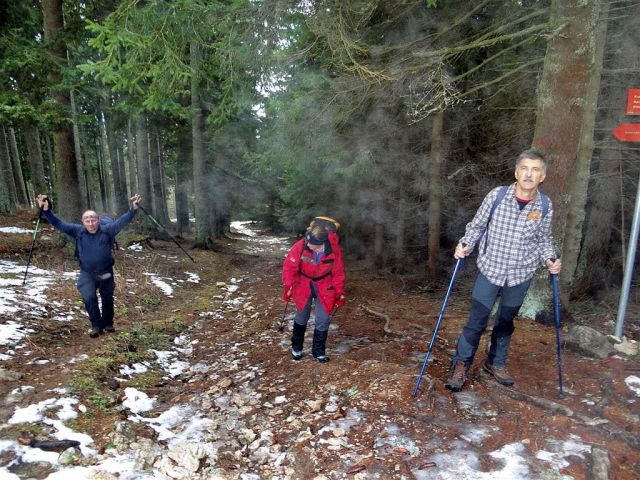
column 69, row 200
column 51, row 164
column 131, row 160
column 100, row 171
column 400, row 243
column 142, row 160
column 203, row 219
column 378, row 244
column 220, row 206
column 120, row 202
column 81, row 164
column 562, row 95
column 21, row 188
column 34, row 157
column 163, row 181
column 601, row 262
column 155, row 159
column 107, row 163
column 435, row 194
column 6, row 171
column 578, row 183
column 183, row 176
column 8, row 199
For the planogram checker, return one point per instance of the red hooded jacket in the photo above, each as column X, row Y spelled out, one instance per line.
column 299, row 270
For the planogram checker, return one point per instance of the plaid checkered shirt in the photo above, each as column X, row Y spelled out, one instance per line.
column 515, row 243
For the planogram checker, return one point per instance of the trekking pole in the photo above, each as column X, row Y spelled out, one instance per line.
column 284, row 314
column 435, row 331
column 170, row 236
column 556, row 312
column 35, row 232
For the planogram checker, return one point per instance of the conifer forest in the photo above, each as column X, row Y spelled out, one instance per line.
column 238, row 122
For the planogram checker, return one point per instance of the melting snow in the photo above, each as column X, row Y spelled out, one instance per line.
column 192, row 277
column 464, row 463
column 137, row 401
column 168, row 364
column 572, row 446
column 14, row 230
column 242, row 228
column 633, row 383
column 161, row 284
column 134, row 369
column 64, row 411
column 257, row 243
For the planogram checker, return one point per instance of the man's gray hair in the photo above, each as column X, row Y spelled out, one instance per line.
column 534, row 155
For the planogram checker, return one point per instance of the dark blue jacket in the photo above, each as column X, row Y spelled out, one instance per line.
column 94, row 250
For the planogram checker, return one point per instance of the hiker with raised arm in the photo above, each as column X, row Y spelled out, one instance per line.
column 314, row 269
column 513, row 228
column 94, row 251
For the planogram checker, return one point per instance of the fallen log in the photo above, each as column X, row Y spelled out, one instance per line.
column 543, row 403
column 47, row 445
column 605, row 427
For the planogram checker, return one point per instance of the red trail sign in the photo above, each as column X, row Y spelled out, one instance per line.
column 633, row 101
column 628, row 132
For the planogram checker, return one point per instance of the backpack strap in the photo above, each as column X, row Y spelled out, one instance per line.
column 501, row 193
column 545, row 204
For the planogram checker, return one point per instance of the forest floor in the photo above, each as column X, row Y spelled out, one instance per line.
column 198, row 364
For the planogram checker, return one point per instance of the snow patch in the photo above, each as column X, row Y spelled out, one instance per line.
column 137, row 401
column 14, row 230
column 633, row 382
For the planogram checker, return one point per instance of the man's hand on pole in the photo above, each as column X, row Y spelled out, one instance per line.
column 135, row 201
column 43, row 201
column 554, row 266
column 462, row 251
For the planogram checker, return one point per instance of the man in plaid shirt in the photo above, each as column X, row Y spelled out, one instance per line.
column 514, row 241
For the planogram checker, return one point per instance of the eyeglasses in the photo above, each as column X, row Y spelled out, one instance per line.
column 90, row 218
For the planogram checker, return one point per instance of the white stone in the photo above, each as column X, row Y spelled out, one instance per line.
column 187, row 456
column 627, row 347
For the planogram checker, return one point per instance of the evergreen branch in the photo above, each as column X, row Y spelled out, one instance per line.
column 490, row 59
column 501, row 77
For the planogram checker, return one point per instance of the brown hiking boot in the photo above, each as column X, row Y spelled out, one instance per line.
column 499, row 373
column 458, row 377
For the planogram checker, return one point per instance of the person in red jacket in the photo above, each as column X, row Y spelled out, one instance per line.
column 314, row 269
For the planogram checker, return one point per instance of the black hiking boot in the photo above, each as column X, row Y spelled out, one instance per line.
column 499, row 373
column 319, row 345
column 109, row 329
column 94, row 332
column 458, row 377
column 297, row 340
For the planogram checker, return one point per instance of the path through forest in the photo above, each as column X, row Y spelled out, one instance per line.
column 198, row 383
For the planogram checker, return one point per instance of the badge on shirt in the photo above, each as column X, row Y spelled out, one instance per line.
column 534, row 216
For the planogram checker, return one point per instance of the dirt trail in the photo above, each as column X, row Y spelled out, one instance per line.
column 264, row 415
